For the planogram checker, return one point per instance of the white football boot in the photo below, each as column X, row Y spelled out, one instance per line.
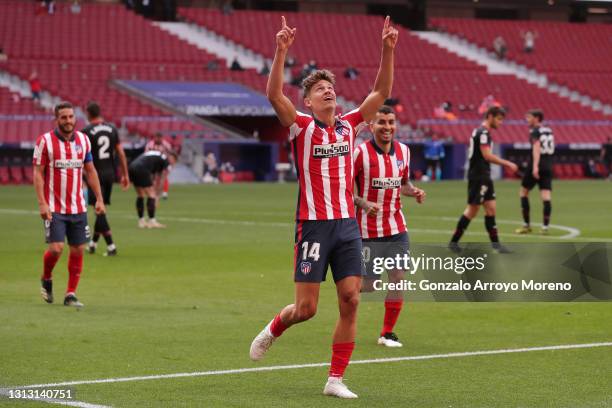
column 336, row 388
column 261, row 343
column 389, row 340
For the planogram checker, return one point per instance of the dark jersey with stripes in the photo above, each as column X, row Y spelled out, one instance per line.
column 152, row 162
column 104, row 139
column 479, row 167
column 544, row 135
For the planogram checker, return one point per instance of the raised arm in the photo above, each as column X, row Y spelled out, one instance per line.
column 384, row 77
column 274, row 89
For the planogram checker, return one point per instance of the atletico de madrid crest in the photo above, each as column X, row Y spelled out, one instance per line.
column 342, row 131
column 78, row 149
column 305, row 267
column 400, row 163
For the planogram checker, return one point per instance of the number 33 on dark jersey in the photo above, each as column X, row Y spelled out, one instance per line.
column 104, row 139
column 544, row 135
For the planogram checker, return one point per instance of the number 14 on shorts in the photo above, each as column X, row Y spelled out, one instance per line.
column 310, row 250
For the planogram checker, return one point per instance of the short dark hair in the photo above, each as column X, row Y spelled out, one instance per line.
column 93, row 109
column 316, row 76
column 495, row 111
column 536, row 113
column 386, row 110
column 60, row 106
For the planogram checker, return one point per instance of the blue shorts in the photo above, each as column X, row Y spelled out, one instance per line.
column 319, row 244
column 384, row 247
column 71, row 226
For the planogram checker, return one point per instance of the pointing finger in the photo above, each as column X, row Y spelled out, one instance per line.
column 386, row 23
column 283, row 22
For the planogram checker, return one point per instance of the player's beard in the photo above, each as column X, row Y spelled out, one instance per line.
column 66, row 128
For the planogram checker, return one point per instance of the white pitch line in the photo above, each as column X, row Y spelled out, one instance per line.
column 573, row 233
column 314, row 365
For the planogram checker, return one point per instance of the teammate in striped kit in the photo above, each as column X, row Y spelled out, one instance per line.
column 59, row 159
column 382, row 170
column 327, row 233
column 163, row 146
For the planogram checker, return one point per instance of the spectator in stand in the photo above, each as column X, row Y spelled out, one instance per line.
column 351, row 73
column 48, row 5
column 35, row 87
column 236, row 65
column 500, row 47
column 226, row 7
column 212, row 65
column 445, row 111
column 3, row 56
column 529, row 38
column 488, row 102
column 290, row 62
column 75, row 8
column 265, row 68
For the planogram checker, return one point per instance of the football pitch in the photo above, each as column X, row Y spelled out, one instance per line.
column 184, row 304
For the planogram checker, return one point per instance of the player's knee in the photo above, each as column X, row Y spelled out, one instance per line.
column 470, row 212
column 77, row 249
column 350, row 300
column 56, row 248
column 305, row 311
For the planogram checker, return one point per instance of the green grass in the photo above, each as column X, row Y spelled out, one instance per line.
column 191, row 298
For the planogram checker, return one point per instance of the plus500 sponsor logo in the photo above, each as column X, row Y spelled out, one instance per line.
column 385, row 183
column 68, row 164
column 331, row 150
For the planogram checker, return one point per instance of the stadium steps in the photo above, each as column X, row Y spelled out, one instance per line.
column 226, row 49
column 182, row 174
column 213, row 43
column 480, row 55
column 21, row 87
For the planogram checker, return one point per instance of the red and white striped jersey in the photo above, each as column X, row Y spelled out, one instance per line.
column 379, row 177
column 324, row 165
column 63, row 162
column 164, row 147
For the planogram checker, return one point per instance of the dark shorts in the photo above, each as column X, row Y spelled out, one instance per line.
column 432, row 162
column 384, row 247
column 480, row 190
column 106, row 185
column 71, row 226
column 140, row 177
column 544, row 182
column 319, row 244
